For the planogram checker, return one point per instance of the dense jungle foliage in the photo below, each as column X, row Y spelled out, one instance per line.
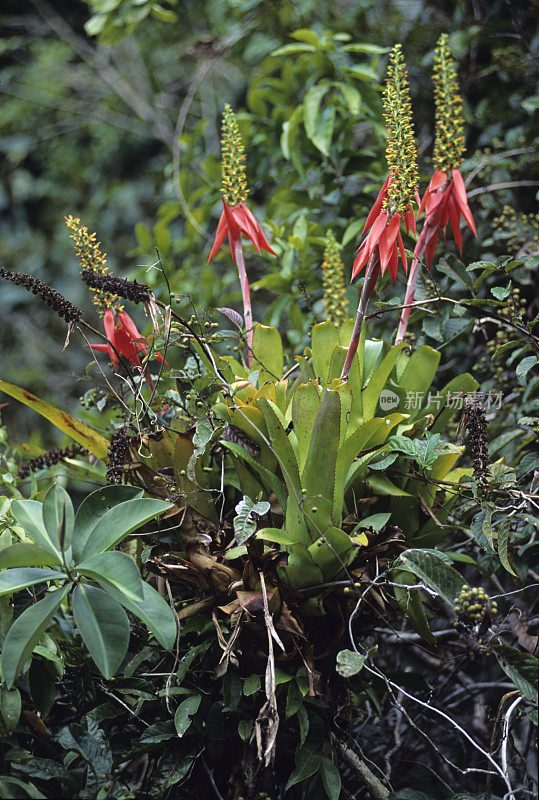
column 253, row 543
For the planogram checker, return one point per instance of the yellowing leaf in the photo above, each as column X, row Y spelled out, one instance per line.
column 77, row 430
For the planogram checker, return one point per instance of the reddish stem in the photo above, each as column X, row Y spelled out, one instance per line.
column 371, row 275
column 246, row 293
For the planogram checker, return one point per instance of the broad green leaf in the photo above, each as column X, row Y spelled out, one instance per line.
column 95, row 506
column 25, row 554
column 74, row 428
column 324, row 340
column 521, row 667
column 430, row 567
column 311, row 107
column 324, row 130
column 350, row 663
column 58, row 516
column 281, row 445
column 382, row 485
column 377, row 381
column 244, row 522
column 26, row 631
column 318, row 477
column 352, row 98
column 278, row 535
column 331, row 552
column 153, row 611
column 287, row 49
column 11, row 788
column 267, row 351
column 330, row 778
column 523, row 367
column 376, row 521
column 307, row 763
column 184, row 712
column 10, row 706
column 29, row 514
column 251, row 685
column 120, row 521
column 116, row 569
column 420, row 370
column 13, row 580
column 103, row 625
column 503, row 542
column 410, row 602
column 305, row 404
column 91, row 742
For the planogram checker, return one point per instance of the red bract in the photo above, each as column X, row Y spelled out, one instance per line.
column 124, row 339
column 235, row 221
column 384, row 239
column 443, row 205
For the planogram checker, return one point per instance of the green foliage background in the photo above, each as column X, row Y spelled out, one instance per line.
column 111, row 111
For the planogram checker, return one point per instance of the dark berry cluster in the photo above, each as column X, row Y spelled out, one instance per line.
column 55, row 456
column 121, row 287
column 118, row 452
column 50, row 296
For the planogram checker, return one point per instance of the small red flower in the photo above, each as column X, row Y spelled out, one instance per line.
column 384, row 237
column 444, row 203
column 124, row 340
column 235, row 221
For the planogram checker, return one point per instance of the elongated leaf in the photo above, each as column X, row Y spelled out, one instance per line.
column 184, row 712
column 371, row 393
column 95, row 506
column 26, row 631
column 13, row 580
column 103, row 625
column 503, row 542
column 154, row 612
column 267, row 350
column 120, row 521
column 10, row 706
column 522, row 668
column 25, row 554
column 116, row 569
column 29, row 514
column 58, row 516
column 278, row 535
column 318, row 476
column 305, row 404
column 307, row 763
column 324, row 340
column 270, row 481
column 311, row 107
column 330, row 778
column 432, row 569
column 74, row 428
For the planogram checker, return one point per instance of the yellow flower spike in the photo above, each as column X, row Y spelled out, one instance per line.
column 449, row 140
column 401, row 152
column 335, row 301
column 234, row 182
column 89, row 255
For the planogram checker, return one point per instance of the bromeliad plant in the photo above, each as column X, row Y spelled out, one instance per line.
column 304, row 503
column 74, row 555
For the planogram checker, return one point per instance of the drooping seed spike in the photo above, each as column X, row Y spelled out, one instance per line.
column 90, row 257
column 50, row 296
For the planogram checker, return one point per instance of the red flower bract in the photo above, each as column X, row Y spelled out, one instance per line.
column 384, row 239
column 443, row 205
column 235, row 221
column 124, row 340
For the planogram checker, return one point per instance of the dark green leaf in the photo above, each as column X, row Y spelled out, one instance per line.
column 184, row 712
column 103, row 625
column 26, row 631
column 114, row 569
